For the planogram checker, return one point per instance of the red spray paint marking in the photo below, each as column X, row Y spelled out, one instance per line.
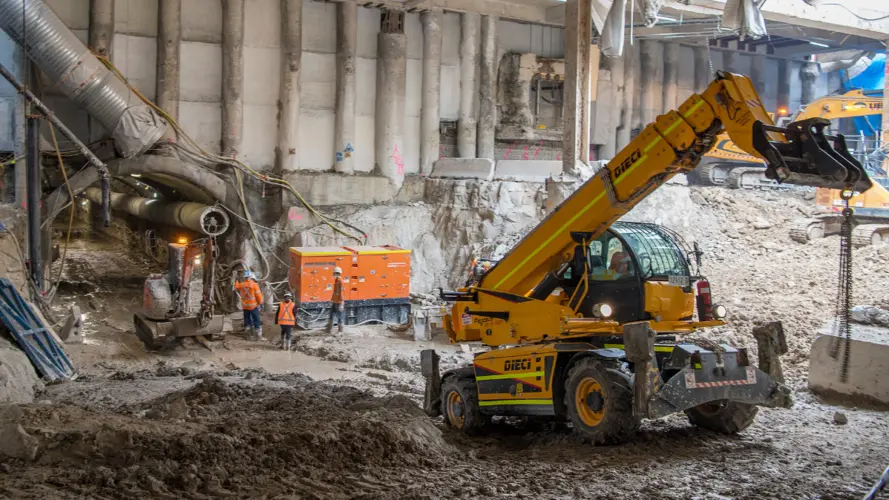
column 441, row 152
column 537, row 151
column 525, row 154
column 399, row 162
column 509, row 150
column 559, row 156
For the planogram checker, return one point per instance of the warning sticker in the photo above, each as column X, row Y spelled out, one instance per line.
column 467, row 319
column 691, row 383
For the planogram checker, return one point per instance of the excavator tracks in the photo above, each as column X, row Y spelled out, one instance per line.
column 751, row 178
column 870, row 234
column 804, row 230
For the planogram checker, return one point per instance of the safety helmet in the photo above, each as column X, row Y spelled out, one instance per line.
column 337, row 270
column 247, row 274
column 288, row 295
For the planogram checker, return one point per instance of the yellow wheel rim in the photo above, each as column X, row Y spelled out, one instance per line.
column 590, row 402
column 456, row 410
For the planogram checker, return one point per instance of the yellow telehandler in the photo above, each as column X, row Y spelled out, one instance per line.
column 585, row 316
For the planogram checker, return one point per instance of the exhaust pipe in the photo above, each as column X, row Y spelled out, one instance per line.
column 204, row 219
column 71, row 67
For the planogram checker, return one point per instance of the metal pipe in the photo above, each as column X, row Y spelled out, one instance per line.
column 204, row 219
column 71, row 67
column 33, row 163
column 85, row 151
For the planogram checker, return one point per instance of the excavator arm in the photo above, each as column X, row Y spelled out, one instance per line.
column 674, row 143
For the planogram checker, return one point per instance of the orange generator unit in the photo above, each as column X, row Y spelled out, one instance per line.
column 376, row 283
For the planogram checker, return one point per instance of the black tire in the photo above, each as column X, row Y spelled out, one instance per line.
column 462, row 413
column 610, row 391
column 726, row 417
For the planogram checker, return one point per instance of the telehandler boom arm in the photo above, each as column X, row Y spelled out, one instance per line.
column 675, row 143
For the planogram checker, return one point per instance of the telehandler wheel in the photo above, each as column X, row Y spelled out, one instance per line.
column 600, row 402
column 459, row 405
column 727, row 417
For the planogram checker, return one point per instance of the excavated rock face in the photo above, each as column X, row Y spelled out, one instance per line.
column 456, row 219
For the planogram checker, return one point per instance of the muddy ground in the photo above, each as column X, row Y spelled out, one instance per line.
column 339, row 416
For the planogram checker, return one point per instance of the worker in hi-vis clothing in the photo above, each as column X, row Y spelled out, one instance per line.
column 285, row 317
column 337, row 308
column 251, row 304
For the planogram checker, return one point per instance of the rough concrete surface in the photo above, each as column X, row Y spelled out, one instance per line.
column 463, row 168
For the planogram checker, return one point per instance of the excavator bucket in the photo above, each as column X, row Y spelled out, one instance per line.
column 806, row 156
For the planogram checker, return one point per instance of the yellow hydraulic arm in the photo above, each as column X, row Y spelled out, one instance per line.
column 674, row 143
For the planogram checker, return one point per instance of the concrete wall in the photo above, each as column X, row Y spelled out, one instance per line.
column 134, row 51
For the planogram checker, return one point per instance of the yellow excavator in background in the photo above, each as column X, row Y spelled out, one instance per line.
column 585, row 315
column 729, row 165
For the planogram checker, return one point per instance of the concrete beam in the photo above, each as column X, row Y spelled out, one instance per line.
column 286, row 152
column 346, row 50
column 504, row 9
column 464, row 168
column 797, row 13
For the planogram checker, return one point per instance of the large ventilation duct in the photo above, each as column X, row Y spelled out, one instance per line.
column 72, row 68
column 204, row 219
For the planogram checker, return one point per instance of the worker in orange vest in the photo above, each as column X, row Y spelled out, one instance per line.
column 338, row 306
column 251, row 304
column 285, row 317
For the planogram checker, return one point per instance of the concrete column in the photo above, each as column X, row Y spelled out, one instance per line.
column 808, row 74
column 703, row 71
column 885, row 134
column 430, row 135
column 391, row 88
column 730, row 61
column 286, row 150
column 758, row 73
column 576, row 103
column 652, row 74
column 785, row 76
column 346, row 47
column 19, row 122
column 487, row 79
column 618, row 88
column 169, row 36
column 232, row 76
column 671, row 76
column 602, row 124
column 627, row 107
column 636, row 118
column 467, row 125
column 101, row 26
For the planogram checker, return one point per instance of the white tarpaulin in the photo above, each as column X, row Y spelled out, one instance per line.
column 612, row 42
column 744, row 15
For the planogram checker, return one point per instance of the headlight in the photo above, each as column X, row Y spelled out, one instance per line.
column 719, row 312
column 602, row 310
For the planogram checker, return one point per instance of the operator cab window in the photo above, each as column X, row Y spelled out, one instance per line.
column 609, row 260
column 658, row 257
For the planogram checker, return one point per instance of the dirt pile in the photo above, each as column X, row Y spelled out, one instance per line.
column 228, row 439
